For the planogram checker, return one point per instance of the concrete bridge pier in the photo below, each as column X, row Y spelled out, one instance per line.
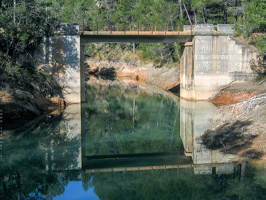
column 211, row 60
column 64, row 53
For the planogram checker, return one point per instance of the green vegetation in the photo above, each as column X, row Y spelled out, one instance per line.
column 23, row 26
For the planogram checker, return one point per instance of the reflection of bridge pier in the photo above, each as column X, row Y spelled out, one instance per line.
column 193, row 123
column 66, row 154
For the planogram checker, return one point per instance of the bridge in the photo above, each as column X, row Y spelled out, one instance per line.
column 210, row 57
column 136, row 36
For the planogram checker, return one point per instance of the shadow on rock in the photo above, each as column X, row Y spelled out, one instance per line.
column 229, row 138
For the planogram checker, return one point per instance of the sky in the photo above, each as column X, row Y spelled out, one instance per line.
column 75, row 191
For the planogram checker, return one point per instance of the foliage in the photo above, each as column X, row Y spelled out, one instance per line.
column 160, row 53
column 255, row 17
column 260, row 43
column 23, row 25
column 248, row 17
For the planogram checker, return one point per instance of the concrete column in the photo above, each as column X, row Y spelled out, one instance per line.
column 82, row 71
column 187, row 90
column 66, row 63
column 203, row 48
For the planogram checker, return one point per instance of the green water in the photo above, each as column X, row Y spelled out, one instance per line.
column 129, row 120
column 123, row 143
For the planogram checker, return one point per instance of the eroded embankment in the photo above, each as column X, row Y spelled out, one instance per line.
column 240, row 126
column 237, row 92
column 165, row 77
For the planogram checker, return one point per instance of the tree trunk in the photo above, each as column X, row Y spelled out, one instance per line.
column 195, row 17
column 204, row 21
column 134, row 47
column 181, row 10
column 14, row 16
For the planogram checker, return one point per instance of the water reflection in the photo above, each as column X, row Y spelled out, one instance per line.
column 193, row 122
column 130, row 120
column 126, row 142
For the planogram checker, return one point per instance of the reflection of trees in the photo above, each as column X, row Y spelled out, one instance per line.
column 175, row 184
column 129, row 120
column 24, row 170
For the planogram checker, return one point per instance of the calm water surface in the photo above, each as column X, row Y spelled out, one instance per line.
column 126, row 142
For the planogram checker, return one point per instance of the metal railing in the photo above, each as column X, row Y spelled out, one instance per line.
column 138, row 26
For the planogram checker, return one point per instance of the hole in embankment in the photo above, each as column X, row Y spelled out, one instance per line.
column 175, row 90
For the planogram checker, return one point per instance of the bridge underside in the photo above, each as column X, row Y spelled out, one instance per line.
column 135, row 38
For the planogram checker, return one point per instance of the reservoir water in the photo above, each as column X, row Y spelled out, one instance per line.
column 127, row 142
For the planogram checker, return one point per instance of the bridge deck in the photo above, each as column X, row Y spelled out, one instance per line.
column 137, row 36
column 187, row 32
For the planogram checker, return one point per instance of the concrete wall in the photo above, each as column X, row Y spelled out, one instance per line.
column 217, row 59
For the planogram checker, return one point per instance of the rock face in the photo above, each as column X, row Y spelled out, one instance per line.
column 19, row 105
column 164, row 77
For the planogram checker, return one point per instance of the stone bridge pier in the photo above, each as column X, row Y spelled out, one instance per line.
column 212, row 59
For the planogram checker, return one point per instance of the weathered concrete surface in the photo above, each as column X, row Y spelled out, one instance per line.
column 213, row 60
column 62, row 54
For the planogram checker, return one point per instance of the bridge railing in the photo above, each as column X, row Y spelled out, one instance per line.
column 138, row 26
